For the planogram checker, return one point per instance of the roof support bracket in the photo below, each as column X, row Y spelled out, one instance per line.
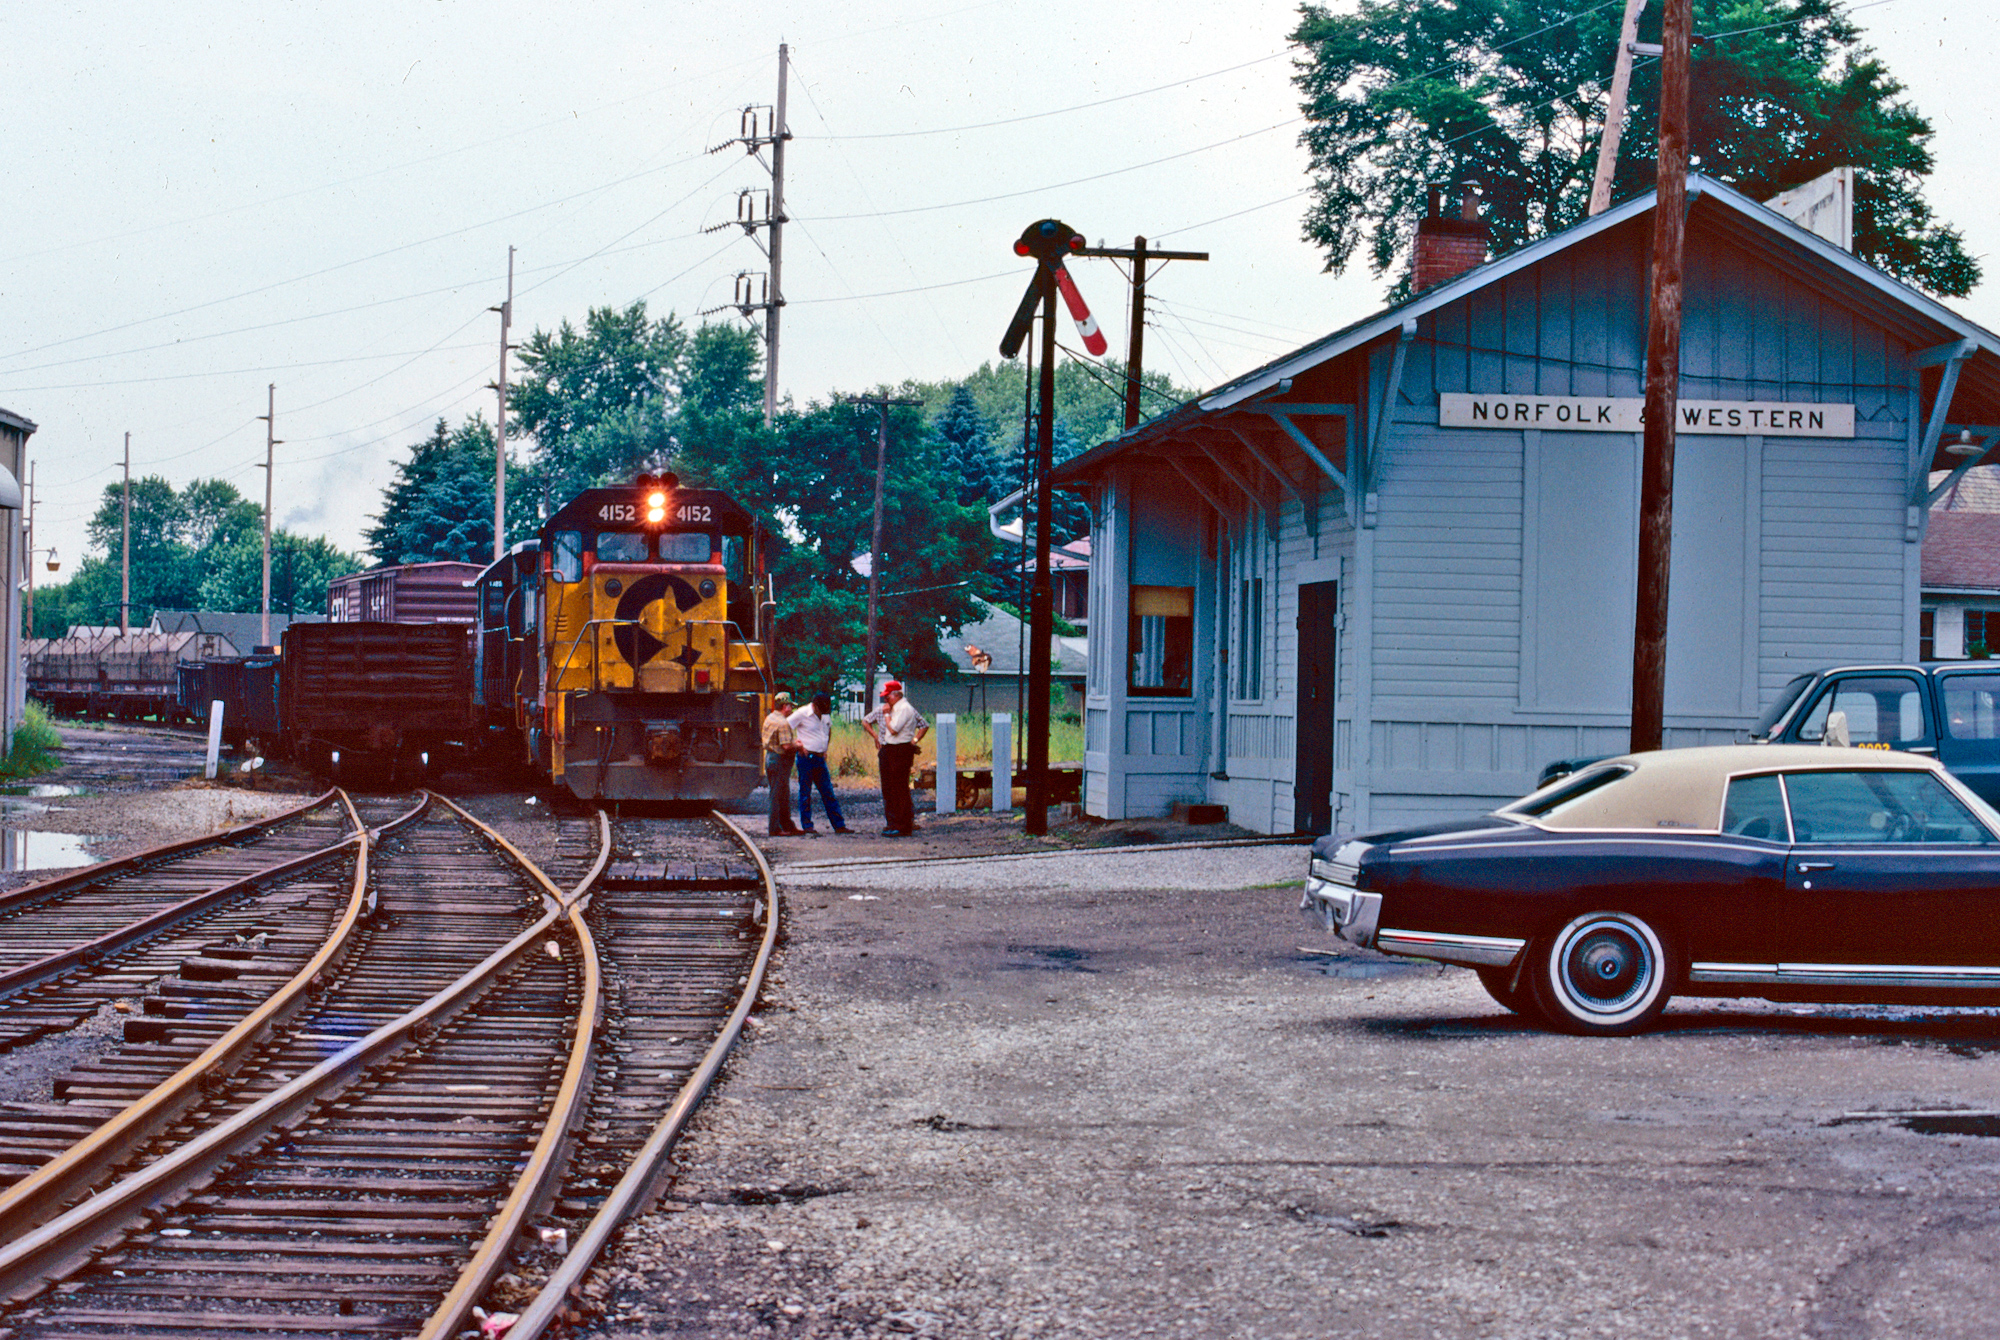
column 1392, row 389
column 1222, row 510
column 1953, row 358
column 1310, row 447
column 1308, row 497
column 1251, row 489
column 1957, row 350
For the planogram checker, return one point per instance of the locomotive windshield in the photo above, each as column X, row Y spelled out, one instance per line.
column 685, row 547
column 614, row 546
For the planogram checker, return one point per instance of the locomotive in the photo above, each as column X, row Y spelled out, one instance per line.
column 626, row 649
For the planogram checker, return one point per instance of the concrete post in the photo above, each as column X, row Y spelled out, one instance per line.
column 1003, row 763
column 947, row 763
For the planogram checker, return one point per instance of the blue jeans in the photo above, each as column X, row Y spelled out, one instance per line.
column 813, row 772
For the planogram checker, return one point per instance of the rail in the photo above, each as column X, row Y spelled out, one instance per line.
column 87, row 1162
column 649, row 1166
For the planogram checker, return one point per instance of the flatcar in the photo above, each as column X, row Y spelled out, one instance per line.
column 625, row 650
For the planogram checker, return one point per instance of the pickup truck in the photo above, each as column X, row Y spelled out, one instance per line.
column 1949, row 710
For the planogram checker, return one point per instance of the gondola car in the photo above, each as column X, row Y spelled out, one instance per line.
column 625, row 651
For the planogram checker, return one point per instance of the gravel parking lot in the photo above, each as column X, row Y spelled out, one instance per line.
column 1129, row 1093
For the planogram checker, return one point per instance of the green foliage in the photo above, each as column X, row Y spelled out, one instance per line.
column 36, row 744
column 1090, row 398
column 190, row 550
column 1400, row 94
column 301, row 568
column 597, row 402
column 439, row 508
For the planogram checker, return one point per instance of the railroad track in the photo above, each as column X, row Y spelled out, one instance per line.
column 373, row 1165
column 72, row 943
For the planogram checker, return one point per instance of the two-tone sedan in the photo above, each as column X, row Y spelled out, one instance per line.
column 1789, row 872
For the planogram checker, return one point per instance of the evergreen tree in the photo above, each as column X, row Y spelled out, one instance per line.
column 968, row 459
column 439, row 507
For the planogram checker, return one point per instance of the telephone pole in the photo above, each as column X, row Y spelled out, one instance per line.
column 769, row 297
column 1663, row 378
column 29, row 565
column 1614, row 109
column 506, row 310
column 125, row 562
column 270, row 418
column 1134, row 360
column 881, row 403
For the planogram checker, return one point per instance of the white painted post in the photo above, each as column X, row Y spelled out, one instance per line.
column 947, row 763
column 1003, row 763
column 214, row 736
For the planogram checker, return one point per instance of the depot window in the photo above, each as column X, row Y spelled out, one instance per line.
column 1162, row 642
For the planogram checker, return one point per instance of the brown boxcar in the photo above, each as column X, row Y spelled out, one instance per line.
column 375, row 695
column 410, row 593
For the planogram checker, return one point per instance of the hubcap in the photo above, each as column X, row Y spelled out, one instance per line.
column 1606, row 966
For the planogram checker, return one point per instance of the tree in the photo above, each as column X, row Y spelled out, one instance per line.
column 439, row 507
column 1403, row 94
column 968, row 462
column 597, row 402
column 301, row 568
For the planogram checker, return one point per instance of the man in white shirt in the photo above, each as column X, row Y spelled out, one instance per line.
column 896, row 727
column 813, row 729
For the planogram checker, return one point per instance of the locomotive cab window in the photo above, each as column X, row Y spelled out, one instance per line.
column 736, row 571
column 684, row 547
column 566, row 562
column 618, row 546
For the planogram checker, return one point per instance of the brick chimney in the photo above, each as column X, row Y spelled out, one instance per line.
column 1446, row 247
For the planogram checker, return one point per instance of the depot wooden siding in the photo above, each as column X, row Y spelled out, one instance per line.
column 1503, row 600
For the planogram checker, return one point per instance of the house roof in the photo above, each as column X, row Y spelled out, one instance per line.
column 244, row 631
column 1002, row 637
column 1977, row 490
column 1770, row 237
column 15, row 421
column 1962, row 551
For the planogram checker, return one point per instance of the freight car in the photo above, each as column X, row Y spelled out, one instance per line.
column 626, row 649
column 374, row 696
column 247, row 688
column 101, row 672
column 406, row 593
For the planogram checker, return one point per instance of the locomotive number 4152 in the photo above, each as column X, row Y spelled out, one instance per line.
column 627, row 512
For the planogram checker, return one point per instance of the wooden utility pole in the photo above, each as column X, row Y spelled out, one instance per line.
column 881, row 403
column 125, row 560
column 29, row 566
column 1614, row 110
column 1663, row 374
column 506, row 310
column 1134, row 358
column 270, row 418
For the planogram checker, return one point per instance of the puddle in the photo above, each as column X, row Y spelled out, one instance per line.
column 32, row 849
column 42, row 790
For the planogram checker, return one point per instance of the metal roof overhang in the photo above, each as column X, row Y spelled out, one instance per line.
column 1912, row 316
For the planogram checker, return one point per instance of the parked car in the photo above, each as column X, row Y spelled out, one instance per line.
column 1948, row 710
column 1788, row 872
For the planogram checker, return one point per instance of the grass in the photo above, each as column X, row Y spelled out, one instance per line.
column 852, row 753
column 35, row 745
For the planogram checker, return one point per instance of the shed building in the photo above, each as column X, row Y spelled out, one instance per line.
column 1383, row 579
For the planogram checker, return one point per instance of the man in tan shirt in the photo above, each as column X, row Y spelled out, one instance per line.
column 780, row 747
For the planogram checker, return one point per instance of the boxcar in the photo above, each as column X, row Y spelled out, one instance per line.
column 247, row 688
column 408, row 593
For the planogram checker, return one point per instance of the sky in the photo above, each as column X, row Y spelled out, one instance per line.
column 204, row 200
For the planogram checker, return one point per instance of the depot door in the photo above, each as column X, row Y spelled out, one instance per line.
column 1312, row 796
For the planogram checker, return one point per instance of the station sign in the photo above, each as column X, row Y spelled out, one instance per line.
column 1627, row 414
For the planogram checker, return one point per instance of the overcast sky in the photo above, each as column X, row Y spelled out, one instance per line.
column 206, row 198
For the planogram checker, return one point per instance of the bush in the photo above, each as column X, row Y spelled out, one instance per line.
column 36, row 743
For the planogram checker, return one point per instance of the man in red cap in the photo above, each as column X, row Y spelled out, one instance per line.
column 896, row 727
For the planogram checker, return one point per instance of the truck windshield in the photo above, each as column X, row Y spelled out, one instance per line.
column 1779, row 706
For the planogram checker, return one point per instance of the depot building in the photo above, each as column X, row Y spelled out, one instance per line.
column 1386, row 578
